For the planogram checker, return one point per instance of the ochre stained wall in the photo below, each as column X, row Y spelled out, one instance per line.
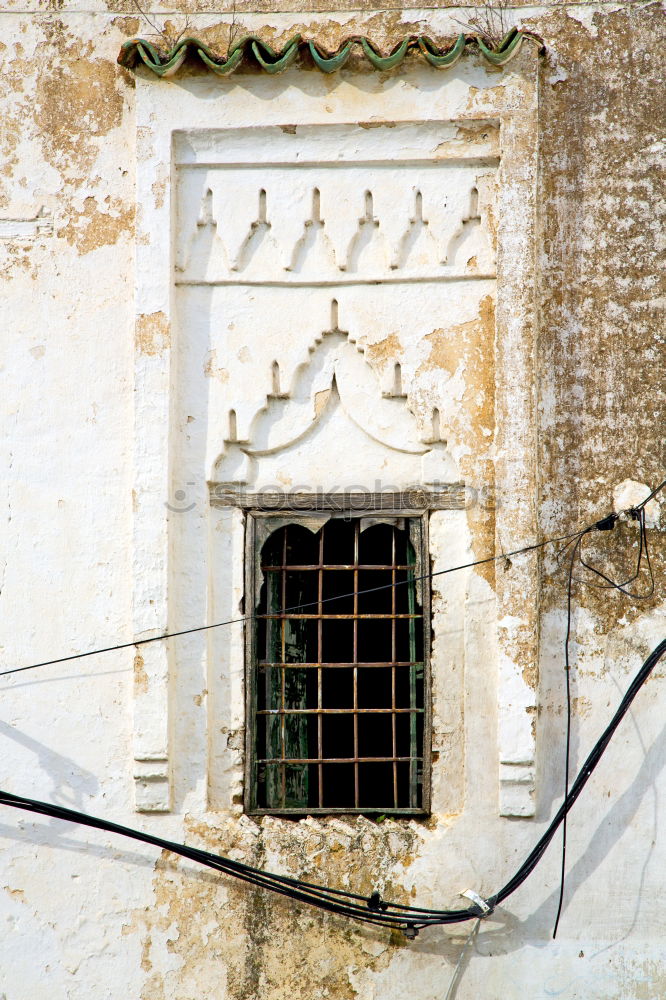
column 86, row 915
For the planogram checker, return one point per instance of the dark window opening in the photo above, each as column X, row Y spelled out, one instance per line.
column 338, row 699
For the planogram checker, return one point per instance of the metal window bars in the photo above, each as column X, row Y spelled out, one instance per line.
column 339, row 686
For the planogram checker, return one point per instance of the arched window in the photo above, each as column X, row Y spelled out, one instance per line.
column 338, row 693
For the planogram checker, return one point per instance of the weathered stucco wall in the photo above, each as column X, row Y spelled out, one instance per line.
column 87, row 916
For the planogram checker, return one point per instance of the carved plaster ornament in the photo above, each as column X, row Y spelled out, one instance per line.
column 313, row 251
column 335, row 229
column 469, row 249
column 334, row 424
column 206, row 253
column 418, row 247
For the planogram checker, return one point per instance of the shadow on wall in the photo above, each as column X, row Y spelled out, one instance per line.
column 469, row 70
column 507, row 933
column 71, row 785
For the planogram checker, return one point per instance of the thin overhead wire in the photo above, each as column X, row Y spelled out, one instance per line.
column 367, row 590
column 292, row 609
column 607, row 524
column 455, row 978
column 583, row 776
column 567, row 750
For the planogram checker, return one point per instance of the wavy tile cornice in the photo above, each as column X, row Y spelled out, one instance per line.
column 253, row 52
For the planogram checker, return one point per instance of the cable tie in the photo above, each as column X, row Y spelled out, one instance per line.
column 485, row 909
column 410, row 932
column 376, row 902
column 606, row 523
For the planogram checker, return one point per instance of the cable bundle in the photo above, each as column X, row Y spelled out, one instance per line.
column 368, row 909
column 373, row 909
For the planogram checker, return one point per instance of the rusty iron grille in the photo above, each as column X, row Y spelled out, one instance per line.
column 339, row 685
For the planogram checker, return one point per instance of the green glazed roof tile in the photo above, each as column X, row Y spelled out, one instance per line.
column 389, row 61
column 505, row 50
column 272, row 61
column 441, row 57
column 252, row 50
column 221, row 69
column 327, row 63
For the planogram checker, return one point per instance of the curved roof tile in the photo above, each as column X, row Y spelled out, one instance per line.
column 253, row 51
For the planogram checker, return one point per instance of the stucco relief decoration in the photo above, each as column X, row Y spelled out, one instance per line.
column 331, row 286
column 323, row 414
column 332, row 230
column 296, row 232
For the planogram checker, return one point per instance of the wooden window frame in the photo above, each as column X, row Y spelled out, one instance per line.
column 354, row 508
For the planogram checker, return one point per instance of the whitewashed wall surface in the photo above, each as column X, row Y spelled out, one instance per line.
column 439, row 284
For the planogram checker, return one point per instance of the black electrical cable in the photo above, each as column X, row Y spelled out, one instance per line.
column 643, row 504
column 368, row 590
column 373, row 909
column 567, row 742
column 637, row 514
column 583, row 775
column 369, row 909
column 605, row 524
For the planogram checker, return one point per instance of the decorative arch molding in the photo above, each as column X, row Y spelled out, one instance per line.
column 334, row 420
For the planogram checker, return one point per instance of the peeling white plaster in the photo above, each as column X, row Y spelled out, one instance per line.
column 117, row 396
